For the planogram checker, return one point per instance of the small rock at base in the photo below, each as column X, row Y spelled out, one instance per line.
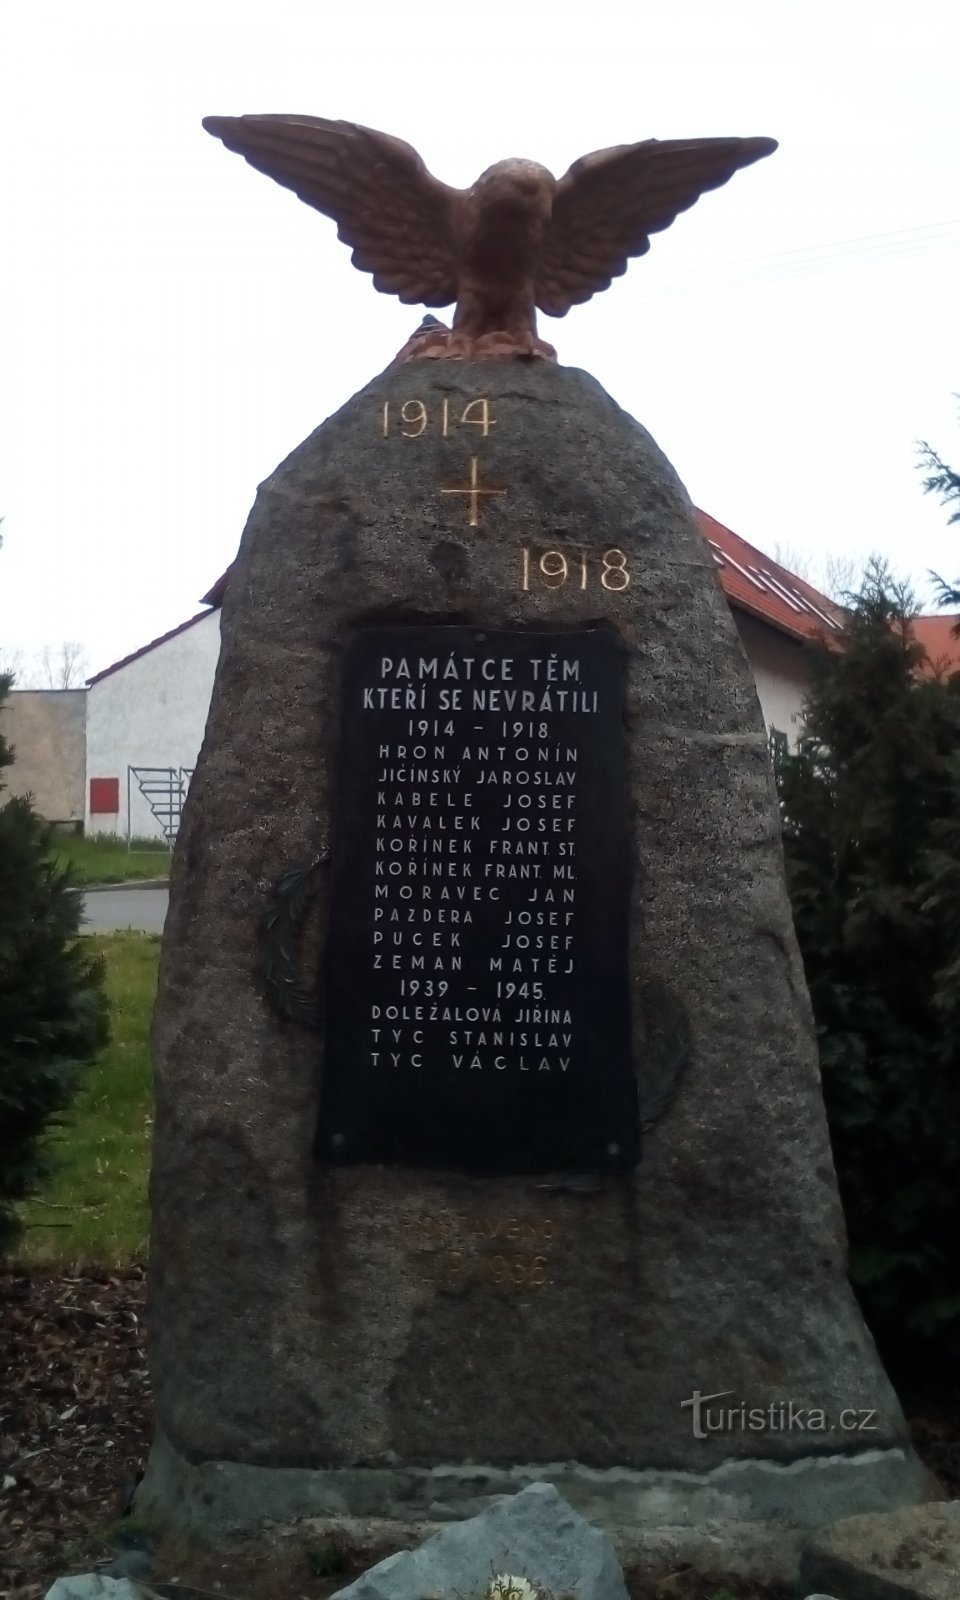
column 534, row 1534
column 909, row 1554
column 133, row 1562
column 93, row 1586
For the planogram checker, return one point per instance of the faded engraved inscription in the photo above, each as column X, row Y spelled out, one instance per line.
column 452, row 1250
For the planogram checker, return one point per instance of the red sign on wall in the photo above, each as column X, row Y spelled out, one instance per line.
column 104, row 796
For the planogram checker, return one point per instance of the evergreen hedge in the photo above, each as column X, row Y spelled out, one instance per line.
column 870, row 806
column 53, row 1014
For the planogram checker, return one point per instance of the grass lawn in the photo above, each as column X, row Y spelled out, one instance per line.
column 95, row 1208
column 104, row 858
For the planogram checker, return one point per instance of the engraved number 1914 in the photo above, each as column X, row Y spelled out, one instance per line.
column 412, row 419
column 553, row 569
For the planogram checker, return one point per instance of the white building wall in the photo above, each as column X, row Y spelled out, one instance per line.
column 780, row 667
column 150, row 713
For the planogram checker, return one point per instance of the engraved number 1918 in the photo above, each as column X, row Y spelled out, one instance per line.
column 552, row 570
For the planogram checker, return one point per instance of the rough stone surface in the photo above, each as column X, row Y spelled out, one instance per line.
column 909, row 1554
column 294, row 1320
column 533, row 1535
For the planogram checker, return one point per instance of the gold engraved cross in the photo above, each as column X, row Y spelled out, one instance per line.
column 474, row 490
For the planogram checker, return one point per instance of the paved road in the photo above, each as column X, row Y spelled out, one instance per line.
column 110, row 910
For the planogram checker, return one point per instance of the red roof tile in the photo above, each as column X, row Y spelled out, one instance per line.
column 743, row 569
column 757, row 584
column 940, row 642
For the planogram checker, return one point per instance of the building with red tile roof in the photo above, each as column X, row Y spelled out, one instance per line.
column 146, row 712
column 940, row 637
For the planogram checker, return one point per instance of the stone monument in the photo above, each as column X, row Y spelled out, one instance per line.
column 490, row 1145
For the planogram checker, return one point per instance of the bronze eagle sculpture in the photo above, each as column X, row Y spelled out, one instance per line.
column 517, row 240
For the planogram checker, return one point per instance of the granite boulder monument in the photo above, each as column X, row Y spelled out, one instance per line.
column 490, row 1146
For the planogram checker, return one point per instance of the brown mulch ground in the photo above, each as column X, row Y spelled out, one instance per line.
column 74, row 1418
column 74, row 1431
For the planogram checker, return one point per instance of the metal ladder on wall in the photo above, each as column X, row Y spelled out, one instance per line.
column 165, row 790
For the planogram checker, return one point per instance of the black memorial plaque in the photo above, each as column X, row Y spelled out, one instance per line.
column 476, row 1011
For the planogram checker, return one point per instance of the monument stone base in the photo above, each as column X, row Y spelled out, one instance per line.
column 748, row 1518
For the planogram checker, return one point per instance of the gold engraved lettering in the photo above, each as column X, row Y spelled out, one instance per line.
column 474, row 491
column 613, row 570
column 552, row 569
column 515, row 1272
column 555, row 575
column 413, row 419
column 450, row 1249
column 484, row 420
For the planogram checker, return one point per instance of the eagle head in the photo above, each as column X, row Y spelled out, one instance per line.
column 517, row 185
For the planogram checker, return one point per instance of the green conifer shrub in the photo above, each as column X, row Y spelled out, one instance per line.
column 52, row 1003
column 870, row 805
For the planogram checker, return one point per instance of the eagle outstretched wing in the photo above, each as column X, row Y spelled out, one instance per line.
column 398, row 219
column 608, row 204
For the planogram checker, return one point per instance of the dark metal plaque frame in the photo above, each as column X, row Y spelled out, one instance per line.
column 476, row 1076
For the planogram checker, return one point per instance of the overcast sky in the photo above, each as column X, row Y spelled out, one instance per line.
column 172, row 323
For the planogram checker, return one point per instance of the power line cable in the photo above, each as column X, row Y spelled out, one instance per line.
column 835, row 256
